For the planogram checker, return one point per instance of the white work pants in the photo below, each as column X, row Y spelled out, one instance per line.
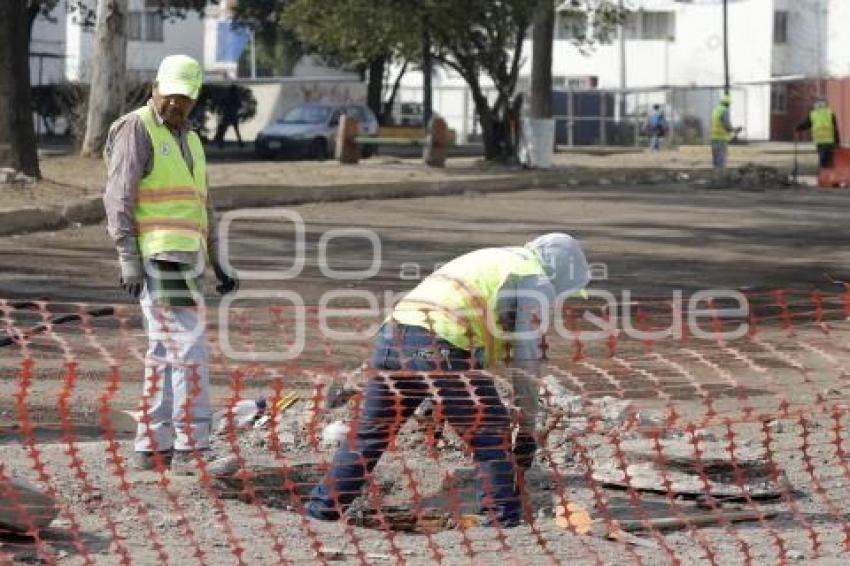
column 175, row 408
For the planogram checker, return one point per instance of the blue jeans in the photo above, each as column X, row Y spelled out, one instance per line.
column 389, row 400
column 825, row 156
column 718, row 154
column 655, row 142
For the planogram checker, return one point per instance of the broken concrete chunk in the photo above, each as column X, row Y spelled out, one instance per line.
column 613, row 411
column 555, row 395
column 24, row 506
column 646, row 476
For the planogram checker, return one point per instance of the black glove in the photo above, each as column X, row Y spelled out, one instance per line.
column 525, row 446
column 132, row 274
column 226, row 283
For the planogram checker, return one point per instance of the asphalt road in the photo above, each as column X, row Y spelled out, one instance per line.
column 650, row 240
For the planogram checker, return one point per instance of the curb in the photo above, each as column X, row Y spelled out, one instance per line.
column 245, row 196
column 90, row 209
column 228, row 197
column 36, row 219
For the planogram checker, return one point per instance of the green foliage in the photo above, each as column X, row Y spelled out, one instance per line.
column 476, row 38
column 355, row 32
column 278, row 46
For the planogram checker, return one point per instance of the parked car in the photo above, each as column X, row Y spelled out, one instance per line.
column 309, row 131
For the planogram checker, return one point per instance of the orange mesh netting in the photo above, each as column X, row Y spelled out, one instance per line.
column 663, row 441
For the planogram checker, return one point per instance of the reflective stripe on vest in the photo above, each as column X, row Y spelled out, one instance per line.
column 458, row 301
column 718, row 129
column 822, row 126
column 171, row 204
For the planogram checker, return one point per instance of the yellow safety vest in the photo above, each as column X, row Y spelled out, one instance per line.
column 718, row 129
column 822, row 126
column 171, row 204
column 458, row 301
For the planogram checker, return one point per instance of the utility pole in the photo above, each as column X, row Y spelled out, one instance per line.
column 819, row 47
column 726, row 46
column 621, row 105
column 253, row 54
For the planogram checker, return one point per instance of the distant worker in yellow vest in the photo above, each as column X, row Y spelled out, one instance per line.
column 721, row 132
column 481, row 308
column 824, row 126
column 159, row 215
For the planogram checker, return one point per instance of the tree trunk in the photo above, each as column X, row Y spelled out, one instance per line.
column 17, row 137
column 375, row 87
column 491, row 131
column 427, row 72
column 541, row 60
column 108, row 81
column 387, row 112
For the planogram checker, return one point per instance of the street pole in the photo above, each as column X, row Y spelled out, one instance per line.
column 253, row 55
column 726, row 46
column 819, row 48
column 621, row 105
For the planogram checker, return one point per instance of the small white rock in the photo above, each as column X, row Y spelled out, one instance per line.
column 335, row 434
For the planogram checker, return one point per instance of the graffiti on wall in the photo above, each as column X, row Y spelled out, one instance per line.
column 329, row 92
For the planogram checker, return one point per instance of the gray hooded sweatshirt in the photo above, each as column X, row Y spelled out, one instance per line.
column 524, row 300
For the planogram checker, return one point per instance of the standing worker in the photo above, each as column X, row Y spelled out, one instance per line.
column 824, row 126
column 159, row 215
column 721, row 133
column 656, row 127
column 479, row 308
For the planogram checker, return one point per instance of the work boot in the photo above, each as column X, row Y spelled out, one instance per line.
column 316, row 509
column 146, row 461
column 187, row 463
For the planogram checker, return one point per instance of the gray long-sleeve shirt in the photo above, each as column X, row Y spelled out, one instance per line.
column 523, row 303
column 129, row 156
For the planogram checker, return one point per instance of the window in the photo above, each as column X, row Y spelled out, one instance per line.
column 134, row 26
column 646, row 25
column 145, row 26
column 573, row 26
column 780, row 27
column 153, row 27
column 658, row 25
column 779, row 98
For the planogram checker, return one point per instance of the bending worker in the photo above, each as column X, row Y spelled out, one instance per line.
column 824, row 126
column 482, row 307
column 721, row 132
column 163, row 225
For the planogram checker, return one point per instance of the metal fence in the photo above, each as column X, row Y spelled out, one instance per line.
column 618, row 117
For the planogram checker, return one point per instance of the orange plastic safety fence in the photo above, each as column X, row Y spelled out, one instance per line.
column 668, row 432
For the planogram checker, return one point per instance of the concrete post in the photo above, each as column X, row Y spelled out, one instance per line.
column 347, row 150
column 436, row 143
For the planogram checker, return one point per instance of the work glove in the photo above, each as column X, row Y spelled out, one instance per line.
column 525, row 446
column 132, row 274
column 226, row 283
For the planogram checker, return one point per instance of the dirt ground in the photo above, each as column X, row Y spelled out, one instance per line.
column 651, row 240
column 69, row 177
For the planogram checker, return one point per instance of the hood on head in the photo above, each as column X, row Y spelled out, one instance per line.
column 563, row 260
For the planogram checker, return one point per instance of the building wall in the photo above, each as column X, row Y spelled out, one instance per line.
column 276, row 97
column 48, row 38
column 805, row 52
column 67, row 38
column 838, row 38
column 183, row 36
column 838, row 94
column 693, row 58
